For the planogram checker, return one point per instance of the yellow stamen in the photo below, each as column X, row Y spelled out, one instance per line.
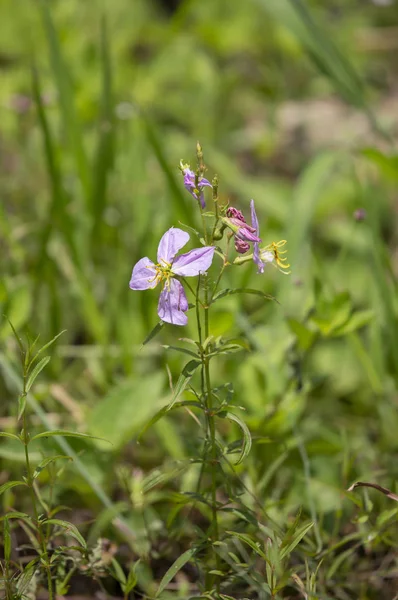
column 162, row 271
column 280, row 261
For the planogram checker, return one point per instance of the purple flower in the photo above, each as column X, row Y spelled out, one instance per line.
column 271, row 253
column 256, row 247
column 189, row 183
column 173, row 303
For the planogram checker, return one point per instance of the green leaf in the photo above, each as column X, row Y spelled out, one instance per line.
column 21, row 405
column 69, row 528
column 175, row 567
column 128, row 407
column 153, row 333
column 182, row 350
column 305, row 337
column 48, row 461
column 14, row 515
column 39, row 367
column 119, row 573
column 232, row 291
column 184, row 379
column 24, row 581
column 243, row 537
column 12, row 436
column 289, row 545
column 387, row 164
column 166, row 409
column 10, row 484
column 43, row 348
column 358, row 320
column 64, row 433
column 159, row 476
column 131, row 579
column 247, row 438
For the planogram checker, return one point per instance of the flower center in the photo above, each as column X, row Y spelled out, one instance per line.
column 163, row 272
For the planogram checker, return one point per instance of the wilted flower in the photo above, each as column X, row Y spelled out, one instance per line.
column 173, row 302
column 236, row 221
column 190, row 184
column 241, row 246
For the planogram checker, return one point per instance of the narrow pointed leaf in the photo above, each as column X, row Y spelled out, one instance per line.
column 175, row 567
column 12, row 436
column 38, row 368
column 47, row 461
column 10, row 484
column 165, row 410
column 232, row 291
column 50, row 343
column 69, row 529
column 247, row 438
column 183, row 351
column 64, row 433
column 297, row 537
column 243, row 537
column 153, row 333
column 183, row 380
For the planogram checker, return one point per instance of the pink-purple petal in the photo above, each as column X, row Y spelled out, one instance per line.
column 143, row 276
column 172, row 241
column 194, row 262
column 173, row 303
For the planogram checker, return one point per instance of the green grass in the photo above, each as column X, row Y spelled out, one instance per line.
column 89, row 181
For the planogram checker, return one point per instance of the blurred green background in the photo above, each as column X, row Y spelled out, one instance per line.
column 295, row 105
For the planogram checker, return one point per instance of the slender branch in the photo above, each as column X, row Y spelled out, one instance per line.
column 29, row 481
column 207, row 393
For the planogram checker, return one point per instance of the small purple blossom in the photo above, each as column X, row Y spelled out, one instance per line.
column 173, row 303
column 189, row 183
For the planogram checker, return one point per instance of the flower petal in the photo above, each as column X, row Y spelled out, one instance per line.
column 254, row 217
column 172, row 241
column 144, row 275
column 173, row 303
column 256, row 247
column 194, row 262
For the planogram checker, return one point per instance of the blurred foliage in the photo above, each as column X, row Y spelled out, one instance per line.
column 293, row 103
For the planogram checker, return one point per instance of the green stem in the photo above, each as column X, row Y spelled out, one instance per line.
column 207, row 394
column 42, row 539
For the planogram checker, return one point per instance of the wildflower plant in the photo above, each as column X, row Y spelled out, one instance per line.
column 208, row 263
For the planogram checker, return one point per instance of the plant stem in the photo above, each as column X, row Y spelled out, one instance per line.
column 29, row 480
column 207, row 394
